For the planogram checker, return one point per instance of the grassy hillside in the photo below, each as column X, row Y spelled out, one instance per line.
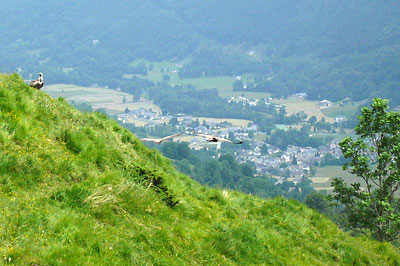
column 77, row 189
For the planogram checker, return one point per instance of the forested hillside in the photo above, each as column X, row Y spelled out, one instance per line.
column 78, row 189
column 329, row 49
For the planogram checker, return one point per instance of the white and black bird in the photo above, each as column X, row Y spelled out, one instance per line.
column 210, row 138
column 158, row 141
column 37, row 84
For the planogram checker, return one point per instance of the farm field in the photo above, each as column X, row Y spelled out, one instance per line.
column 222, row 83
column 324, row 176
column 287, row 127
column 347, row 110
column 337, row 136
column 311, row 108
column 98, row 98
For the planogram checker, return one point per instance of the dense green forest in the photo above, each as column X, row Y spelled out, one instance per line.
column 328, row 49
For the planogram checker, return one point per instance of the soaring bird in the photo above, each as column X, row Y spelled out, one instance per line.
column 37, row 84
column 158, row 141
column 210, row 138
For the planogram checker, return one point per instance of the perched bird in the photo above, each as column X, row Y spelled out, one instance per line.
column 37, row 84
column 210, row 138
column 158, row 141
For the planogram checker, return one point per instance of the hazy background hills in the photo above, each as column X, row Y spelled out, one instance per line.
column 329, row 49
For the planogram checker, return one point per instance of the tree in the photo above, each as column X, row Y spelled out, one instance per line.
column 250, row 85
column 312, row 120
column 238, row 85
column 282, row 113
column 294, row 160
column 183, row 151
column 251, row 134
column 173, row 121
column 247, row 170
column 374, row 157
column 264, row 149
column 316, row 200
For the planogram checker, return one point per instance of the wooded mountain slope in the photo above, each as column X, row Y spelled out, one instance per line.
column 329, row 49
column 77, row 189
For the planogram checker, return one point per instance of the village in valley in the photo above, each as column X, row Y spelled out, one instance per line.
column 292, row 163
column 323, row 119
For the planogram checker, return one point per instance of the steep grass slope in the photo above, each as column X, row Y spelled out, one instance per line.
column 77, row 189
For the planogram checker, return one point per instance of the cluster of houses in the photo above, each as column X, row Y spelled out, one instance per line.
column 268, row 159
column 323, row 104
column 294, row 162
column 219, row 130
column 250, row 102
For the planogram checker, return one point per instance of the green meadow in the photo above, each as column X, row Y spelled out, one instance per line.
column 324, row 176
column 224, row 84
column 348, row 110
column 78, row 189
column 311, row 108
column 99, row 98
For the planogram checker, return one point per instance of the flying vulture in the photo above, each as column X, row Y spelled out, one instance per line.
column 158, row 141
column 210, row 138
column 37, row 84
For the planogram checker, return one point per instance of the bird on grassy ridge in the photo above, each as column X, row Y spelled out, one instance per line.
column 158, row 141
column 37, row 84
column 210, row 138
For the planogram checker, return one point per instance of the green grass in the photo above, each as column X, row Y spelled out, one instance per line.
column 98, row 98
column 349, row 110
column 282, row 127
column 337, row 136
column 77, row 189
column 224, row 84
column 311, row 108
column 332, row 172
